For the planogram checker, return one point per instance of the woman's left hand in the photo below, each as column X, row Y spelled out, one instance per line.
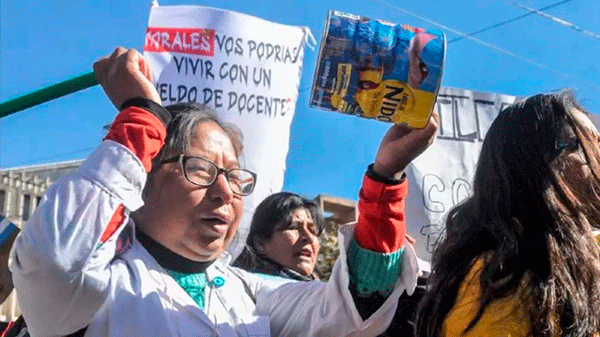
column 401, row 145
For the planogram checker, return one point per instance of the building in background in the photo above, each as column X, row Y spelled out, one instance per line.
column 21, row 190
column 336, row 211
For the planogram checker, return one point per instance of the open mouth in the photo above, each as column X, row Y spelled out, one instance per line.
column 218, row 224
column 215, row 218
column 305, row 253
column 214, row 221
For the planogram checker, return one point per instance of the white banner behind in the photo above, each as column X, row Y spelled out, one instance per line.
column 247, row 68
column 442, row 176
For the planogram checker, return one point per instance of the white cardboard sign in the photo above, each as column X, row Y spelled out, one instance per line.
column 441, row 177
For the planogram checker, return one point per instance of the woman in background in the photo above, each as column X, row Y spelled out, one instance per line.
column 284, row 230
column 284, row 238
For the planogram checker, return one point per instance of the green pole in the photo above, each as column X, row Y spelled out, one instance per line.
column 47, row 94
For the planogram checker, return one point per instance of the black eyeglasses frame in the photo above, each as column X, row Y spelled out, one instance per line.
column 182, row 159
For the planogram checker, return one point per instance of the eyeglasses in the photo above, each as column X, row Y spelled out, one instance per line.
column 203, row 172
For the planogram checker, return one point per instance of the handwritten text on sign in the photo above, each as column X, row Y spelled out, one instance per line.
column 443, row 175
column 203, row 42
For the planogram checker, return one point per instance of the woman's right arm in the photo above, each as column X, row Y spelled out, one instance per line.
column 61, row 260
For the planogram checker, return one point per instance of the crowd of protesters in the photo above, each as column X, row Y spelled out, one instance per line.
column 134, row 242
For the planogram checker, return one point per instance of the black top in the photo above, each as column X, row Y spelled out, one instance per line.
column 168, row 259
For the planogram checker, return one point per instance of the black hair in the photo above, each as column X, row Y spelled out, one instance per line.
column 272, row 214
column 529, row 223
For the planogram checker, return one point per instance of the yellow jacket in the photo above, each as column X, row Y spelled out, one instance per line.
column 505, row 317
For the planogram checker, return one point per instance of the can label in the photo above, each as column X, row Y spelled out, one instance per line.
column 377, row 69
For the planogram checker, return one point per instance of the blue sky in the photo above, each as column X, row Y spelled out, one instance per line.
column 44, row 42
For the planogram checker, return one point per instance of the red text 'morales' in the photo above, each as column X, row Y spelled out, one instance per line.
column 180, row 40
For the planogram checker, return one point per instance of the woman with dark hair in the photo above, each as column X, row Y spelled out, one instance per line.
column 283, row 238
column 520, row 256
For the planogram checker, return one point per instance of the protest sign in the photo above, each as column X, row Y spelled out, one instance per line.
column 441, row 177
column 246, row 68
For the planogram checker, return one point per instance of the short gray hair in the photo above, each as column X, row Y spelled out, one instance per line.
column 186, row 116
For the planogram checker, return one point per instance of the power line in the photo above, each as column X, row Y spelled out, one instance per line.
column 508, row 21
column 490, row 27
column 554, row 19
column 491, row 46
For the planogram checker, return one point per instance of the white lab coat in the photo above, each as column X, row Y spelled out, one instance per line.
column 66, row 280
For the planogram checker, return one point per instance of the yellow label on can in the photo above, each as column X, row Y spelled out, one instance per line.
column 391, row 101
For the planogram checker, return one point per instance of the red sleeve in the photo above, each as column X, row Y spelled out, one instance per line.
column 381, row 223
column 115, row 222
column 144, row 134
column 140, row 131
